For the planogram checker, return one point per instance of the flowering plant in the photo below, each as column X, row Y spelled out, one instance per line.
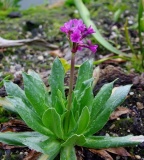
column 61, row 123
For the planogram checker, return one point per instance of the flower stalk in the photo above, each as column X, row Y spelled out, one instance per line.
column 70, row 91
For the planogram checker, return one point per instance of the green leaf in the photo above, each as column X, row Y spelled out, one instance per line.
column 44, row 157
column 33, row 140
column 72, row 123
column 52, row 121
column 47, row 157
column 60, row 103
column 7, row 105
column 83, row 120
column 85, row 15
column 35, row 92
column 86, row 99
column 127, row 37
column 140, row 15
column 47, row 146
column 100, row 142
column 118, row 13
column 65, row 64
column 68, row 153
column 2, row 82
column 34, row 74
column 14, row 90
column 30, row 117
column 74, row 140
column 100, row 99
column 56, row 80
column 17, row 139
column 84, row 73
column 113, row 102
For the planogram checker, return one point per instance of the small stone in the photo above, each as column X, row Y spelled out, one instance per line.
column 1, row 65
column 76, row 11
column 131, row 93
column 14, row 15
column 138, row 157
column 107, row 135
column 140, row 105
column 112, row 126
column 40, row 58
column 117, row 157
column 26, row 153
column 114, row 28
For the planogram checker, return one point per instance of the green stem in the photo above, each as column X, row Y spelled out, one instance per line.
column 70, row 91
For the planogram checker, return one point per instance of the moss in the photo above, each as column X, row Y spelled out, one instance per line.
column 121, row 126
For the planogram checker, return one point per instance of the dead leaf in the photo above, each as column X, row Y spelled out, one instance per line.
column 102, row 153
column 118, row 151
column 33, row 155
column 14, row 125
column 140, row 105
column 120, row 111
column 96, row 75
column 5, row 146
column 2, row 50
column 56, row 53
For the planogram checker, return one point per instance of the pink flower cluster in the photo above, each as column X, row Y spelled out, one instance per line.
column 76, row 31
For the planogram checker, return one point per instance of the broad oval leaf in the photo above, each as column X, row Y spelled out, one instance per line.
column 83, row 120
column 84, row 73
column 68, row 153
column 51, row 119
column 14, row 90
column 100, row 99
column 56, row 79
column 35, row 92
column 30, row 117
column 113, row 102
column 74, row 140
column 7, row 104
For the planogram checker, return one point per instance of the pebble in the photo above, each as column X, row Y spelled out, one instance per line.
column 138, row 157
column 40, row 58
column 114, row 28
column 112, row 126
column 140, row 105
column 131, row 93
column 26, row 153
column 1, row 65
column 107, row 135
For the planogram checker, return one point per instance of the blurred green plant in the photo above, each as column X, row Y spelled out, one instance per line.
column 6, row 4
column 71, row 2
column 85, row 15
column 138, row 57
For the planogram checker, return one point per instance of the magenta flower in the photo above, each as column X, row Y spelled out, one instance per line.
column 75, row 36
column 76, row 31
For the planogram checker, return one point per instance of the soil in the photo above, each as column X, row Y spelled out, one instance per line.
column 44, row 22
